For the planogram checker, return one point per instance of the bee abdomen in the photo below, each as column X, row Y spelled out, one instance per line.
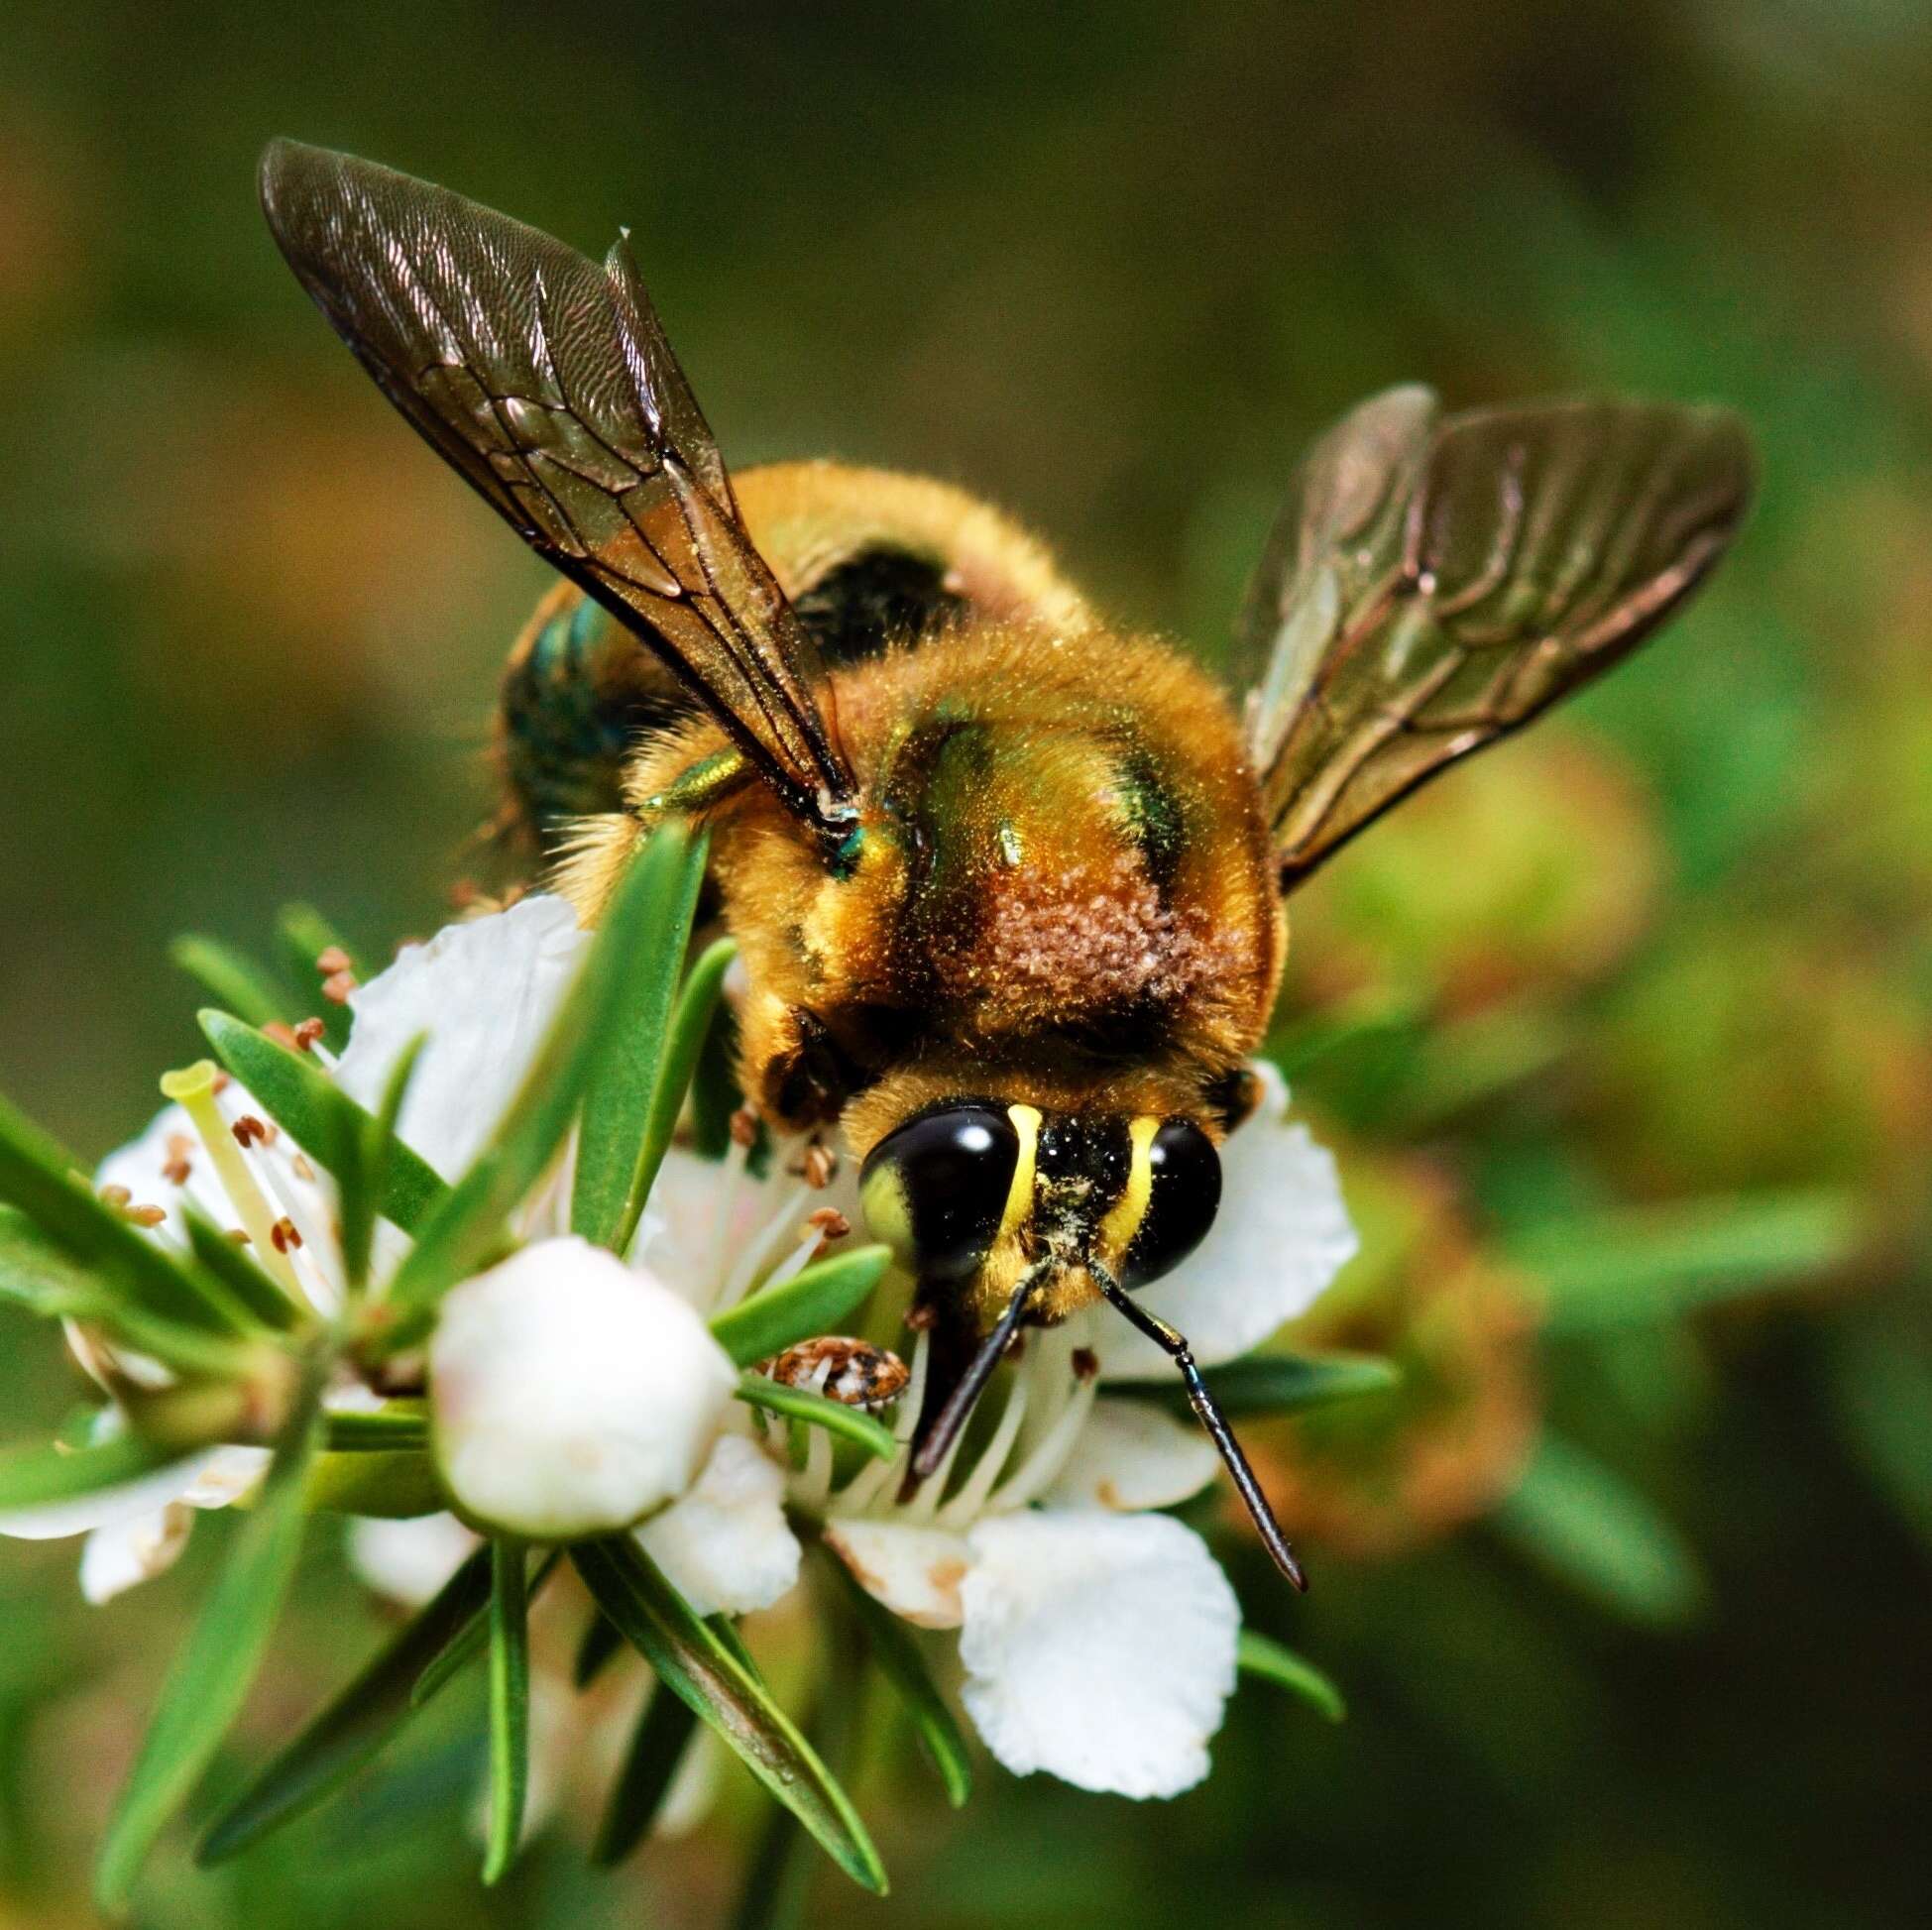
column 578, row 693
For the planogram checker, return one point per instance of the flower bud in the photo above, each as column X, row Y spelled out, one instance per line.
column 569, row 1394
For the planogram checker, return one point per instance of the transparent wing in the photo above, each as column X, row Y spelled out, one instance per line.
column 1433, row 583
column 547, row 384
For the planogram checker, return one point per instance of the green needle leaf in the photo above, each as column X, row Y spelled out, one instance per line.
column 233, row 978
column 509, row 1706
column 471, row 1640
column 393, row 1484
column 350, row 1729
column 657, row 1746
column 689, row 1028
column 817, row 1300
column 302, row 1098
column 1259, row 1656
column 1586, row 1525
column 38, row 1176
column 34, row 1477
column 703, row 1672
column 396, row 1424
column 467, row 1231
column 242, row 1276
column 896, row 1651
column 618, row 1105
column 816, row 1410
column 304, row 935
column 602, row 1639
column 375, row 1152
column 1276, row 1384
column 205, row 1689
column 36, row 1276
column 1663, row 1263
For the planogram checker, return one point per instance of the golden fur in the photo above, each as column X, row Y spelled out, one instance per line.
column 1001, row 931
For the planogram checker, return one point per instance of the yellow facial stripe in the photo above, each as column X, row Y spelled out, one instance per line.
column 1123, row 1218
column 888, row 1213
column 1020, row 1195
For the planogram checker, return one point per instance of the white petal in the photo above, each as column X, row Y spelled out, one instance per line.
column 1282, row 1235
column 724, row 1544
column 113, row 1559
column 1100, row 1648
column 680, row 1235
column 484, row 992
column 1131, row 1455
column 288, row 1180
column 141, row 1165
column 127, row 1500
column 916, row 1573
column 226, row 1476
column 706, row 1214
column 408, row 1560
column 571, row 1395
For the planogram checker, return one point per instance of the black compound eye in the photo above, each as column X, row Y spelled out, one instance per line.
column 935, row 1188
column 1182, row 1207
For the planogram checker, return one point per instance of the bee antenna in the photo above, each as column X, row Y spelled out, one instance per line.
column 945, row 1425
column 1175, row 1345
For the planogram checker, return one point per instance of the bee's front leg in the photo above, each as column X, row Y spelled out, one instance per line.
column 801, row 1074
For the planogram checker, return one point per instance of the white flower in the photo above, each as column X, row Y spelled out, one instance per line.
column 570, row 1395
column 724, row 1544
column 1097, row 1638
column 486, row 993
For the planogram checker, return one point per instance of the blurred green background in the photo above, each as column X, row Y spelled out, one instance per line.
column 1628, row 1594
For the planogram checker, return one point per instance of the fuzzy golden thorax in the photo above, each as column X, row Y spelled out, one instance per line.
column 1061, row 877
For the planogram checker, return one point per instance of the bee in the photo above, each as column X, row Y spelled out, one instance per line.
column 1008, row 881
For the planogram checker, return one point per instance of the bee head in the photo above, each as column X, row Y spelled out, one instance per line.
column 975, row 1196
column 1007, row 1213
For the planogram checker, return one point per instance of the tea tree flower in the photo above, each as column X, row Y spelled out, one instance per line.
column 580, row 1396
column 571, row 1394
column 479, row 997
column 1097, row 1637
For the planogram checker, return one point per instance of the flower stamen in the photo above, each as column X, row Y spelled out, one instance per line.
column 193, row 1089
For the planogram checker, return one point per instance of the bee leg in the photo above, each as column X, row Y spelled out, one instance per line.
column 808, row 1080
column 708, row 782
column 1233, row 1097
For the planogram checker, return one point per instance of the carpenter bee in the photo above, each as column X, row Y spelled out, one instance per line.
column 1008, row 881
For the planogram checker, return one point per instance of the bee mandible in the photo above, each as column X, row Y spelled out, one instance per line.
column 1008, row 881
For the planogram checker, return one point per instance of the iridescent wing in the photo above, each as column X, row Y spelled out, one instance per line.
column 1433, row 583
column 547, row 384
